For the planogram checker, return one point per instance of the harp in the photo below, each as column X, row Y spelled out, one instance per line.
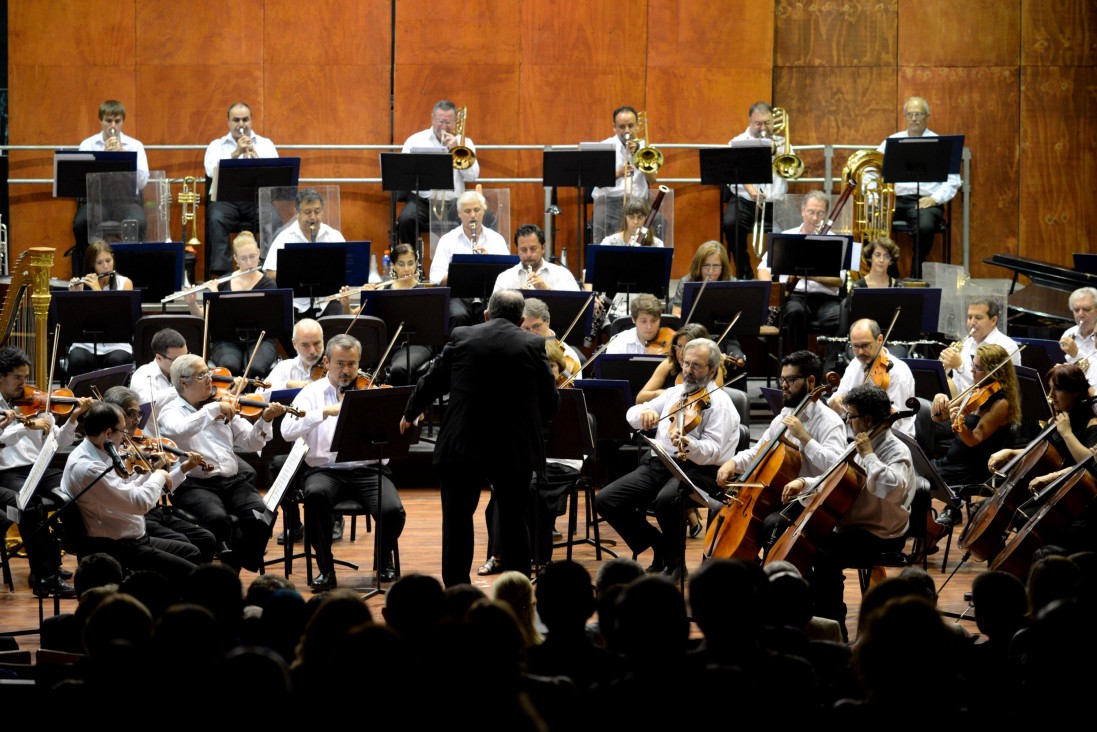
column 24, row 315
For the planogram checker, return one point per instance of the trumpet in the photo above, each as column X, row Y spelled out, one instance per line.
column 648, row 159
column 787, row 164
column 463, row 157
column 245, row 133
column 189, row 199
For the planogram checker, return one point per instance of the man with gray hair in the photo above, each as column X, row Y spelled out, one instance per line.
column 1078, row 342
column 479, row 446
column 213, row 428
column 699, row 452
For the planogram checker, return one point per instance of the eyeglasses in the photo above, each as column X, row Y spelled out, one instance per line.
column 849, row 417
column 135, row 413
column 861, row 346
column 789, row 380
column 204, row 376
column 712, row 266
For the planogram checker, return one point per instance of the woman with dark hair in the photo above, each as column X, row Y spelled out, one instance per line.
column 878, row 255
column 100, row 277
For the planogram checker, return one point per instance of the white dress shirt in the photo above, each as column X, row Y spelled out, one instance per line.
column 900, row 388
column 317, row 429
column 828, row 442
column 286, row 370
column 456, row 241
column 115, row 507
column 152, row 386
column 961, row 376
column 639, row 180
column 292, row 234
column 941, row 192
column 627, row 341
column 129, row 144
column 20, row 446
column 616, row 241
column 426, row 139
column 774, row 191
column 203, row 430
column 224, row 147
column 710, row 443
column 1087, row 349
column 553, row 275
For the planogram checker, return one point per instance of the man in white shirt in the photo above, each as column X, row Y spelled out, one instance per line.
column 294, row 373
column 924, row 201
column 700, row 452
column 112, row 117
column 225, row 217
column 471, row 237
column 534, row 272
column 325, row 480
column 1078, row 342
column 152, row 381
column 647, row 313
column 536, row 319
column 441, row 135
column 738, row 220
column 867, row 340
column 213, row 429
column 113, row 509
column 310, row 228
column 608, row 200
column 982, row 324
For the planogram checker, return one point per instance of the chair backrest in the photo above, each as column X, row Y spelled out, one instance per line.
column 370, row 331
column 742, row 404
column 189, row 326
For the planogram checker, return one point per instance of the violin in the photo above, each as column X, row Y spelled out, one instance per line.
column 364, row 380
column 221, row 375
column 687, row 417
column 152, row 445
column 975, row 399
column 248, row 407
column 660, row 344
column 878, row 370
column 33, row 402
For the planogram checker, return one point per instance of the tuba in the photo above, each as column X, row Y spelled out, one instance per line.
column 463, row 157
column 786, row 164
column 648, row 159
column 873, row 199
column 189, row 200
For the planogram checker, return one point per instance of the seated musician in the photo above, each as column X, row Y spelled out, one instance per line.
column 325, row 480
column 818, row 432
column 113, row 509
column 624, row 502
column 247, row 276
column 160, row 521
column 710, row 264
column 152, row 381
column 878, row 519
column 1079, row 342
column 197, row 422
column 18, row 451
column 669, row 369
column 536, row 319
column 405, row 276
column 471, row 237
column 636, row 213
column 867, row 340
column 647, row 312
column 812, row 298
column 310, row 228
column 982, row 327
column 533, row 272
column 294, row 373
column 979, row 432
column 878, row 255
column 99, row 265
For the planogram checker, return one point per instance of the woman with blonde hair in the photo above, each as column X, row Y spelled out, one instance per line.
column 516, row 591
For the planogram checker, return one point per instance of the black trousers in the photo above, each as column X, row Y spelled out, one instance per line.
column 173, row 559
column 925, row 221
column 227, row 506
column 222, row 219
column 324, row 487
column 801, row 309
column 548, row 499
column 82, row 361
column 234, row 356
column 43, row 548
column 161, row 523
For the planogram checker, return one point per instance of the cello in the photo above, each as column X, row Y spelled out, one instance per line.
column 736, row 532
column 830, row 499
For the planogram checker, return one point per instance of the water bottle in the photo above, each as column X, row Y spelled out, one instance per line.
column 386, row 266
column 374, row 276
column 564, row 257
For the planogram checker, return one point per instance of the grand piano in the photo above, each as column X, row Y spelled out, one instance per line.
column 1039, row 309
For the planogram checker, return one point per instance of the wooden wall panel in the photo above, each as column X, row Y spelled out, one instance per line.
column 711, row 33
column 596, row 33
column 198, row 33
column 325, row 32
column 1057, row 161
column 71, row 33
column 947, row 33
column 1058, row 33
column 851, row 33
column 458, row 32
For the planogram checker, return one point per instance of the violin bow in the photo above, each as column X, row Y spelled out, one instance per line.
column 596, row 354
column 690, row 401
column 580, row 314
column 959, row 397
column 727, row 329
column 254, row 351
column 693, row 307
column 385, row 355
column 53, row 362
column 205, row 329
column 872, row 364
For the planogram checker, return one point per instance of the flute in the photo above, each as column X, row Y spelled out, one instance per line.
column 205, row 285
column 363, row 288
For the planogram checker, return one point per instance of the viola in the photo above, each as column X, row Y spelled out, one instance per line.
column 660, row 344
column 571, row 366
column 975, row 399
column 687, row 418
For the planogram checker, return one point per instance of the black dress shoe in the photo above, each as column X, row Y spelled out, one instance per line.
column 298, row 535
column 388, row 573
column 324, row 582
column 677, row 574
column 949, row 517
column 51, row 586
column 64, row 573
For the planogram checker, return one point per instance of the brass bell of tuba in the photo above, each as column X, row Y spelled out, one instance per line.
column 648, row 159
column 787, row 164
column 463, row 157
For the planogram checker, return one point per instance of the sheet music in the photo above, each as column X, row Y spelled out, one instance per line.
column 40, row 464
column 278, row 489
column 664, row 457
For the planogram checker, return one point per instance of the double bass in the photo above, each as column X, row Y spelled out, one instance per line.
column 830, row 499
column 736, row 532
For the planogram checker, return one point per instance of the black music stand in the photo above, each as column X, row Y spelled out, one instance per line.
column 746, row 162
column 929, row 377
column 156, row 268
column 369, row 429
column 720, row 303
column 103, row 379
column 71, row 169
column 921, row 160
column 1041, row 354
column 608, row 400
column 568, row 437
column 311, row 270
column 775, row 399
column 564, row 305
column 633, row 368
column 580, row 169
column 357, row 253
column 806, row 256
column 241, row 316
column 474, row 275
column 424, row 312
column 920, row 308
column 239, row 180
column 1034, row 404
column 613, row 269
column 95, row 317
column 415, row 172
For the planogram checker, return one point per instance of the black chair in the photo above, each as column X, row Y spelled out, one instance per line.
column 742, row 406
column 370, row 331
column 189, row 326
column 944, row 228
column 353, row 508
column 920, row 512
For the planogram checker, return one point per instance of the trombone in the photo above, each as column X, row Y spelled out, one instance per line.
column 648, row 159
column 189, row 199
column 759, row 234
column 463, row 157
column 786, row 164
